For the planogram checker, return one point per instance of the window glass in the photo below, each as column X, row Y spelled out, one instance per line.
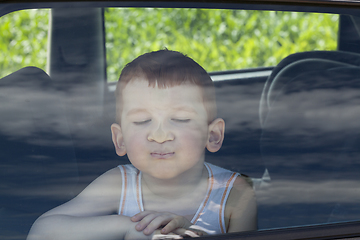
column 219, row 40
column 287, row 86
column 23, row 37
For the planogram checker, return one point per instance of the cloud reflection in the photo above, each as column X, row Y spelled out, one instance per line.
column 325, row 110
column 238, row 104
column 311, row 147
column 307, row 192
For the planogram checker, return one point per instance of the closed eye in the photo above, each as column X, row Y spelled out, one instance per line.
column 181, row 120
column 142, row 122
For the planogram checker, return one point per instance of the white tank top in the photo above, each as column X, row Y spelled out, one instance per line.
column 210, row 214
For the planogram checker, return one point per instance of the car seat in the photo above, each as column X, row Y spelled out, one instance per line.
column 303, row 62
column 38, row 166
column 310, row 143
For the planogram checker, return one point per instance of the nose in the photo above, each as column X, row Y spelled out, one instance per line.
column 160, row 134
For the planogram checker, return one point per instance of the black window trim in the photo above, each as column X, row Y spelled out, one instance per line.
column 322, row 231
column 328, row 6
column 344, row 230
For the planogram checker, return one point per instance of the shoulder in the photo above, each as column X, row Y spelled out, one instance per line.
column 111, row 177
column 108, row 185
column 241, row 184
column 115, row 175
column 242, row 187
column 101, row 197
column 222, row 176
column 241, row 206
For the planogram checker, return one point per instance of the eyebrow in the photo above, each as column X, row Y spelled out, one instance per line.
column 136, row 110
column 184, row 108
column 179, row 108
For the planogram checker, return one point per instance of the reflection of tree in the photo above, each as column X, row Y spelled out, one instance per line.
column 23, row 42
column 218, row 40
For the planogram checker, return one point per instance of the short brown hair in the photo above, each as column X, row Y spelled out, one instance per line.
column 165, row 69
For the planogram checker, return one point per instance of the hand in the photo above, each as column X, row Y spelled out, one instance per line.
column 133, row 234
column 149, row 221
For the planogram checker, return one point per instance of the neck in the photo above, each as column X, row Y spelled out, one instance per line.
column 181, row 185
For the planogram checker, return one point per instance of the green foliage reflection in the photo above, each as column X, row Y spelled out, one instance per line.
column 23, row 40
column 217, row 39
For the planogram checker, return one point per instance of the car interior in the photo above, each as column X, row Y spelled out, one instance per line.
column 291, row 129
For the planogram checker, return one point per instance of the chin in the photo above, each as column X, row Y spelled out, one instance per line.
column 165, row 174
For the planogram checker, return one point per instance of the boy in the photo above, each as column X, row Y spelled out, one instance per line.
column 166, row 117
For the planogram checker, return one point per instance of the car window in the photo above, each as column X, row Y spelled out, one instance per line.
column 286, row 84
column 215, row 27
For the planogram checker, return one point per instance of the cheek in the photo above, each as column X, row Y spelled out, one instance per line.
column 134, row 141
column 195, row 139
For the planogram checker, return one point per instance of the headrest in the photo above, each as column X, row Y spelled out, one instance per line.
column 300, row 63
column 37, row 157
column 313, row 121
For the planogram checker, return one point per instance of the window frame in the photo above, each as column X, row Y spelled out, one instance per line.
column 344, row 230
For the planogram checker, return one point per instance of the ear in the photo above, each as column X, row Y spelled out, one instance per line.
column 216, row 135
column 118, row 140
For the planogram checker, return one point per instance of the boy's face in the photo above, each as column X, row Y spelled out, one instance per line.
column 164, row 131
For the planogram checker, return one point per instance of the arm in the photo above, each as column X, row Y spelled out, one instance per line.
column 71, row 227
column 149, row 221
column 240, row 214
column 240, row 209
column 90, row 215
column 164, row 223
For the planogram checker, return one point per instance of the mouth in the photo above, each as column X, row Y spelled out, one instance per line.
column 162, row 155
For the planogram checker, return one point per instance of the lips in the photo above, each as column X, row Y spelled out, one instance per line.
column 162, row 155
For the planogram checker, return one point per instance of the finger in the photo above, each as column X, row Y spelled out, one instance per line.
column 137, row 217
column 161, row 220
column 149, row 220
column 176, row 222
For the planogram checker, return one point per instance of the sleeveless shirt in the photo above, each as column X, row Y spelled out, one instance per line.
column 210, row 214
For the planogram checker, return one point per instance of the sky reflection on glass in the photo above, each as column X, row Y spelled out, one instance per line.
column 310, row 146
